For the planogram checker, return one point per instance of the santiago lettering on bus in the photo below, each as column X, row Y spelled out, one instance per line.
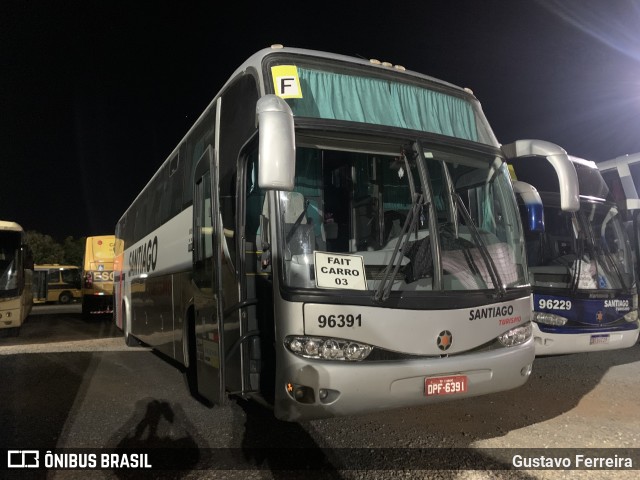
column 619, row 305
column 144, row 258
column 491, row 312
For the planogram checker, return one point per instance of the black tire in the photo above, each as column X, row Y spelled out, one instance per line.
column 65, row 297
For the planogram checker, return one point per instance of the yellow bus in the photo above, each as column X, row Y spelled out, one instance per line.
column 56, row 283
column 16, row 273
column 97, row 275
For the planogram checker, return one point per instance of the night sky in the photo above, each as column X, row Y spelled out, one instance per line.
column 95, row 95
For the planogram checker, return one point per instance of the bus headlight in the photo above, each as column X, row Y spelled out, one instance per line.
column 516, row 336
column 328, row 348
column 632, row 316
column 549, row 319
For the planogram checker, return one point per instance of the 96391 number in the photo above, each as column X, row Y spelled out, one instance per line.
column 339, row 321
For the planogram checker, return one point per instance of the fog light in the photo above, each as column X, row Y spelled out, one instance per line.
column 526, row 371
column 300, row 393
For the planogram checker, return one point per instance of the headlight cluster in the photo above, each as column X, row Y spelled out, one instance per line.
column 549, row 319
column 632, row 316
column 516, row 336
column 328, row 348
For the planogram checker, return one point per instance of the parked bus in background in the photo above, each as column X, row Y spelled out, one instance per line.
column 56, row 283
column 332, row 236
column 622, row 175
column 16, row 272
column 583, row 277
column 97, row 275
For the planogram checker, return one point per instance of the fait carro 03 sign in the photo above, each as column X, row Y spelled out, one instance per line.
column 333, row 270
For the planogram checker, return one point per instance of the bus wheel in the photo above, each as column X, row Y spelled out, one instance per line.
column 65, row 297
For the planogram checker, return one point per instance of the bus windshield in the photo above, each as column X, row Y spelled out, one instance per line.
column 9, row 248
column 584, row 250
column 378, row 212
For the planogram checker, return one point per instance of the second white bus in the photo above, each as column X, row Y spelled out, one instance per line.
column 584, row 283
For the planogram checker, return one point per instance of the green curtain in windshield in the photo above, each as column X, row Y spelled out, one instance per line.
column 370, row 100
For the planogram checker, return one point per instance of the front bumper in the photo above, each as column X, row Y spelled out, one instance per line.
column 361, row 387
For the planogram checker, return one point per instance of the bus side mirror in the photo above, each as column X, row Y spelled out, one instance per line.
column 533, row 205
column 559, row 160
column 277, row 148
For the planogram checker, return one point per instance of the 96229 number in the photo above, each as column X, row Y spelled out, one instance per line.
column 339, row 321
column 551, row 304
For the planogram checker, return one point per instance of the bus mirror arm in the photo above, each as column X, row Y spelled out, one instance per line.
column 559, row 160
column 265, row 256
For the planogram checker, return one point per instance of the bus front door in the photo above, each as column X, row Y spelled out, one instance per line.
column 205, row 339
column 40, row 286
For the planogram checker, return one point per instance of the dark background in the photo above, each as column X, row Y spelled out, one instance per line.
column 94, row 95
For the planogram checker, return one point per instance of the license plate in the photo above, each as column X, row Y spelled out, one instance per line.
column 599, row 339
column 434, row 386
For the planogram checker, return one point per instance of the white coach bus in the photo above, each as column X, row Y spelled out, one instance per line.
column 622, row 175
column 16, row 276
column 584, row 282
column 332, row 236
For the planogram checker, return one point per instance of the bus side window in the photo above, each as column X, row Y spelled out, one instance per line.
column 176, row 179
column 54, row 276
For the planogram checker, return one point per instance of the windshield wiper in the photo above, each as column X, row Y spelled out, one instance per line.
column 491, row 267
column 597, row 247
column 384, row 288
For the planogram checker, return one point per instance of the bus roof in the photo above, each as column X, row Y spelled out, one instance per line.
column 49, row 266
column 10, row 226
column 255, row 61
